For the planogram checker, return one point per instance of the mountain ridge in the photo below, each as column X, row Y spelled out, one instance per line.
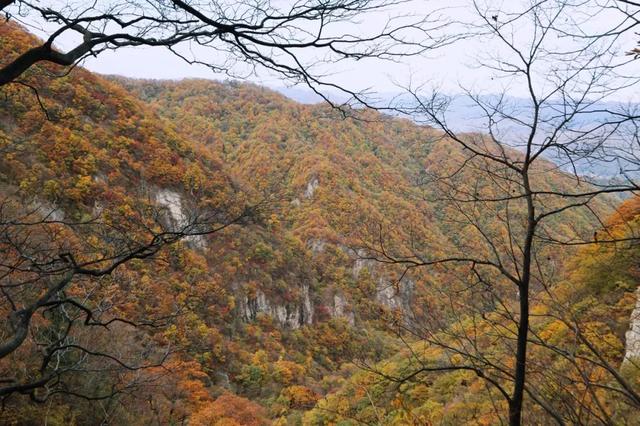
column 270, row 313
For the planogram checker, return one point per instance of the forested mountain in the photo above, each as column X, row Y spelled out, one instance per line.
column 272, row 309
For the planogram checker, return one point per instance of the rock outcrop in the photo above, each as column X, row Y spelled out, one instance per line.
column 632, row 337
column 291, row 315
column 178, row 219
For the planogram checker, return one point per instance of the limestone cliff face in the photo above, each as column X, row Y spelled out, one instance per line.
column 341, row 309
column 177, row 215
column 391, row 294
column 330, row 299
column 172, row 201
column 396, row 295
column 313, row 184
column 291, row 315
column 632, row 337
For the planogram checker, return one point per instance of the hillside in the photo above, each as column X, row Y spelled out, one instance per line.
column 254, row 323
column 585, row 331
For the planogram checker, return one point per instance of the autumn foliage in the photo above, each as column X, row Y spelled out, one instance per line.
column 275, row 319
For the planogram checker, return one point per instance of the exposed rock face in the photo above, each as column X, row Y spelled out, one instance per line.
column 392, row 295
column 48, row 211
column 300, row 312
column 98, row 208
column 173, row 202
column 341, row 309
column 632, row 337
column 359, row 263
column 316, row 246
column 222, row 379
column 178, row 219
column 307, row 307
column 311, row 187
column 396, row 295
column 291, row 315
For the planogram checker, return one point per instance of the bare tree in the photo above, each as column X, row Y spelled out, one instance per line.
column 565, row 123
column 56, row 281
column 236, row 38
column 49, row 261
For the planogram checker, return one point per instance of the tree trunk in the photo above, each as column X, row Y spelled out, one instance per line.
column 515, row 405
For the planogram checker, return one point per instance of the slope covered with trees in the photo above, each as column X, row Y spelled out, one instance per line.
column 272, row 300
column 584, row 320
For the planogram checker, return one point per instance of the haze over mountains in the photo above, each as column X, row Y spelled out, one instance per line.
column 465, row 115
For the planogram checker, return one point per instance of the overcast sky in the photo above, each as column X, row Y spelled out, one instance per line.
column 449, row 68
column 380, row 75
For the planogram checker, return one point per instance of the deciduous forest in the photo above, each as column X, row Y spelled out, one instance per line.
column 212, row 252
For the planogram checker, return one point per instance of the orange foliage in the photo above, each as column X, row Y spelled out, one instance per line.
column 230, row 410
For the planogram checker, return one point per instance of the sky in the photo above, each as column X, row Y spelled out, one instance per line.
column 446, row 67
column 381, row 76
column 450, row 69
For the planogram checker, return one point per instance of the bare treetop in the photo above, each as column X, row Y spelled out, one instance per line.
column 236, row 38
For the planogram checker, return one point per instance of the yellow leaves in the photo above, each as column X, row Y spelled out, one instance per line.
column 627, row 303
column 27, row 184
column 420, row 392
column 554, row 332
column 263, row 252
column 273, row 221
column 194, row 178
column 94, row 241
column 397, row 402
column 430, row 411
column 287, row 372
column 260, row 358
column 203, row 330
column 342, row 405
column 457, row 359
column 300, row 397
column 356, row 189
column 126, row 211
column 84, row 165
column 119, row 143
column 539, row 310
column 171, row 332
column 81, row 189
column 602, row 337
column 51, row 188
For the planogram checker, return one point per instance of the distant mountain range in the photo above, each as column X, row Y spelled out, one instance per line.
column 464, row 115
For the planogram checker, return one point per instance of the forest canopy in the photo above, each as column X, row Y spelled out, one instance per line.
column 214, row 253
